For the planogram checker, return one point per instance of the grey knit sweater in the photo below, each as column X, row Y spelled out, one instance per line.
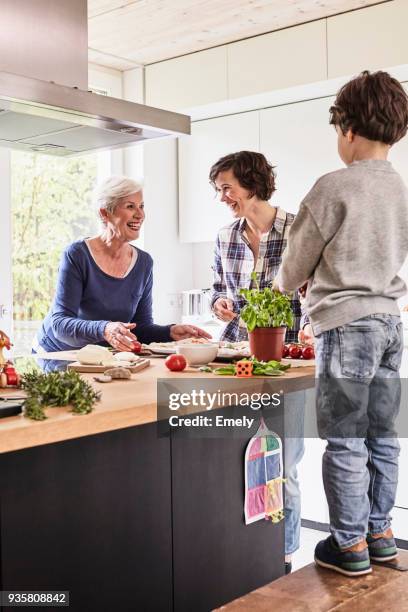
column 349, row 240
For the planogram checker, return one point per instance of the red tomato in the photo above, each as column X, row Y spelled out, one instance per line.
column 136, row 347
column 285, row 350
column 11, row 379
column 176, row 363
column 308, row 352
column 295, row 352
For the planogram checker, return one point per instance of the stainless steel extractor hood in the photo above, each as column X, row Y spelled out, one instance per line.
column 44, row 102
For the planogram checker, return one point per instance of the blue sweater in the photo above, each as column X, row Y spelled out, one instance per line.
column 87, row 298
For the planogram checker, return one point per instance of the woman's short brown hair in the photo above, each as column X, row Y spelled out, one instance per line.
column 252, row 170
column 373, row 105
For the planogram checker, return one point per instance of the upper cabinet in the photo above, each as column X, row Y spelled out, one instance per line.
column 370, row 38
column 201, row 213
column 281, row 59
column 187, row 81
column 298, row 140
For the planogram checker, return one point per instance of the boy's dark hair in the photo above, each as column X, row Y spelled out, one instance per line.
column 252, row 170
column 373, row 105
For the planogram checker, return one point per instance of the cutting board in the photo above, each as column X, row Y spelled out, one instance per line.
column 141, row 364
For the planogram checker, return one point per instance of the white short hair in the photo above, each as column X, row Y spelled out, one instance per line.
column 108, row 193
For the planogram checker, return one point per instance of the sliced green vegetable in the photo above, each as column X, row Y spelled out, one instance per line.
column 260, row 368
column 228, row 370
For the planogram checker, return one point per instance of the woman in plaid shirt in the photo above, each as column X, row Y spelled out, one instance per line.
column 245, row 182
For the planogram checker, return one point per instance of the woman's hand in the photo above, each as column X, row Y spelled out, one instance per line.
column 180, row 332
column 224, row 309
column 306, row 336
column 119, row 335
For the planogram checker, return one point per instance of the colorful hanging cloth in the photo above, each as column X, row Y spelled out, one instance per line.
column 263, row 477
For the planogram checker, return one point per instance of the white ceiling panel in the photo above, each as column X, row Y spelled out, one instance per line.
column 130, row 32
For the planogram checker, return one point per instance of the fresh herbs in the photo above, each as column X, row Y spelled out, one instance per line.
column 266, row 307
column 57, row 389
column 260, row 368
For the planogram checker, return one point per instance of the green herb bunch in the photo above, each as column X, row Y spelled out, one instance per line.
column 266, row 307
column 57, row 389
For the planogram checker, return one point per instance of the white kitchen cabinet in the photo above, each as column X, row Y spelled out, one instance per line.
column 201, row 213
column 281, row 59
column 187, row 81
column 298, row 140
column 371, row 38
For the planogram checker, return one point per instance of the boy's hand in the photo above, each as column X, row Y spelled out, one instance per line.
column 224, row 309
column 306, row 336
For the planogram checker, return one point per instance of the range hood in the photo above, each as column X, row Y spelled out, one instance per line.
column 57, row 115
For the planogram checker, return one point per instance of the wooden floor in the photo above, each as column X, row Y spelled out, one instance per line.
column 314, row 589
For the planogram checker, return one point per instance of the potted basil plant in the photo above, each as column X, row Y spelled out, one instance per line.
column 266, row 314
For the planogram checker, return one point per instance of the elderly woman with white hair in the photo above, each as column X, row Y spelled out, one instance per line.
column 104, row 286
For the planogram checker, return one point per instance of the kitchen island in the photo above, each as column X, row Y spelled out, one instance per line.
column 105, row 507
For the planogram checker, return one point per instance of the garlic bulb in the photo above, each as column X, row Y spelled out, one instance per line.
column 118, row 373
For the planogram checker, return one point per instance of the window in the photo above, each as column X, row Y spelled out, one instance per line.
column 51, row 207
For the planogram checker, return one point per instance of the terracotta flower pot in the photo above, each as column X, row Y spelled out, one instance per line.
column 266, row 343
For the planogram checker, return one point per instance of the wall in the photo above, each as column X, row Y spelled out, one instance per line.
column 6, row 287
column 203, row 254
column 133, row 90
column 156, row 163
column 173, row 270
column 108, row 80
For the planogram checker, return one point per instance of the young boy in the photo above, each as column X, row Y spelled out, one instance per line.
column 349, row 240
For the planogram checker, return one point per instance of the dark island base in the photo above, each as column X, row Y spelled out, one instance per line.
column 129, row 521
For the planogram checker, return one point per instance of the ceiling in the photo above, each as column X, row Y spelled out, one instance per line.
column 126, row 33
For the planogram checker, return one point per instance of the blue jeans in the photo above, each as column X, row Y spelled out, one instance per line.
column 294, row 449
column 358, row 399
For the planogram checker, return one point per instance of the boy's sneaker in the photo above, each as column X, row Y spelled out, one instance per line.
column 347, row 562
column 382, row 547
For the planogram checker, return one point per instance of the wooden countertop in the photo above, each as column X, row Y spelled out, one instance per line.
column 123, row 404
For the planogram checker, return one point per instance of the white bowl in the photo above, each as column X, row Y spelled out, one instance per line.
column 198, row 354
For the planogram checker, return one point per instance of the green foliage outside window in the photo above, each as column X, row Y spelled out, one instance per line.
column 51, row 207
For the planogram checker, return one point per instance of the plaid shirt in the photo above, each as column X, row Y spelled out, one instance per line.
column 234, row 264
